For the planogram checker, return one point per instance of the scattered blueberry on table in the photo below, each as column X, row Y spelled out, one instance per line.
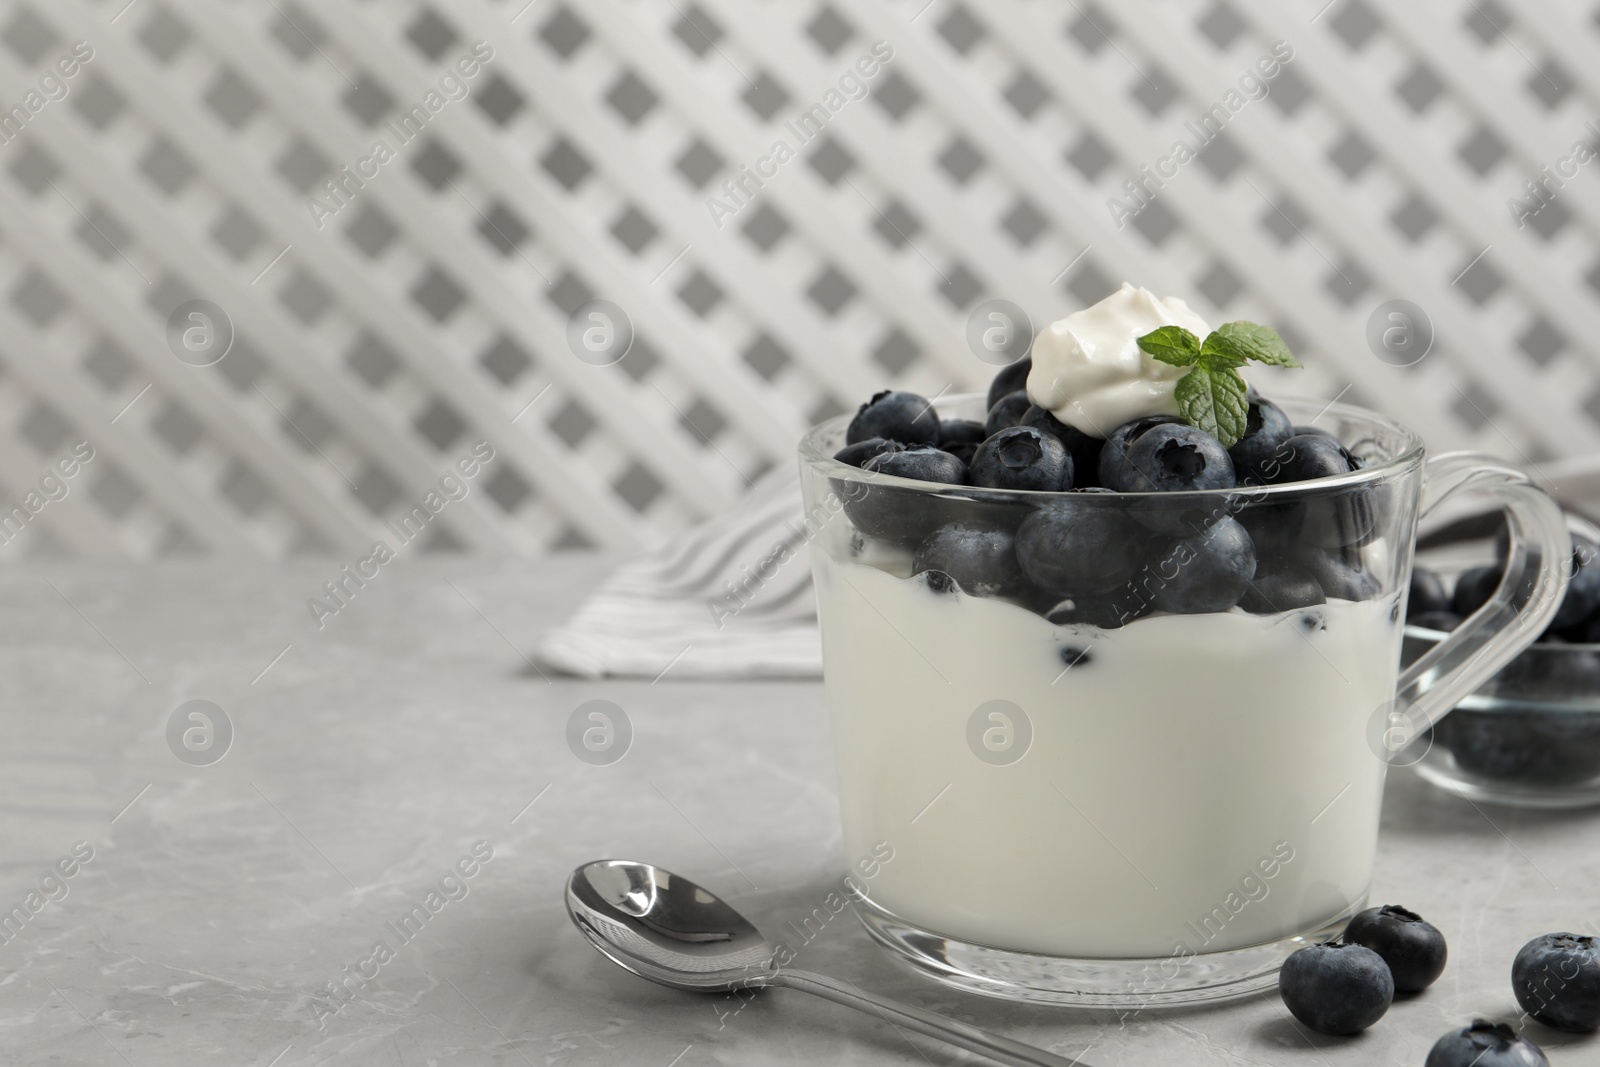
column 1336, row 988
column 1556, row 978
column 1485, row 1044
column 1413, row 948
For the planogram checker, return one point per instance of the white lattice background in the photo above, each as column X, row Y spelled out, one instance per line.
column 431, row 310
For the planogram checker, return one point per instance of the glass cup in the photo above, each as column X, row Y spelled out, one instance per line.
column 1098, row 785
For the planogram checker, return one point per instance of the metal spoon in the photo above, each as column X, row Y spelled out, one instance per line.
column 665, row 928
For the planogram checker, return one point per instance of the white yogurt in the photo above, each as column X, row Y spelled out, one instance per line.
column 1201, row 783
column 1089, row 370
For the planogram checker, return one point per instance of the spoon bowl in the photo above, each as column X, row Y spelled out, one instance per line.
column 663, row 927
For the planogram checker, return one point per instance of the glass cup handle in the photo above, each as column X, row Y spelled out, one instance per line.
column 1492, row 636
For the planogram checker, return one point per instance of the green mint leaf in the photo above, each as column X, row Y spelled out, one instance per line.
column 1171, row 344
column 1219, row 358
column 1214, row 398
column 1241, row 341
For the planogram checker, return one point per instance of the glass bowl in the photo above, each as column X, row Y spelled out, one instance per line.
column 1529, row 738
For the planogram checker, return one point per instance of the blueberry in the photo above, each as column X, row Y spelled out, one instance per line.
column 902, row 514
column 1071, row 549
column 1009, row 380
column 1473, row 589
column 1335, row 518
column 1306, row 456
column 1273, row 525
column 1207, row 572
column 1494, row 745
column 1444, row 621
column 903, row 417
column 1341, row 577
column 961, row 438
column 1114, row 454
column 1586, row 633
column 1557, row 981
column 1544, row 748
column 1566, row 745
column 1550, row 675
column 1427, row 593
column 1584, row 549
column 1266, row 427
column 1073, row 656
column 861, row 451
column 1583, row 590
column 1022, row 457
column 1485, row 1044
column 983, row 562
column 1175, row 458
column 963, row 452
column 960, row 432
column 1413, row 949
column 1085, row 450
column 1286, row 588
column 1316, row 430
column 1178, row 514
column 1582, row 582
column 1006, row 412
column 1335, row 988
column 925, row 464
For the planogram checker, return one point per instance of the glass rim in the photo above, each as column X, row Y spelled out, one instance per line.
column 1548, row 648
column 1405, row 459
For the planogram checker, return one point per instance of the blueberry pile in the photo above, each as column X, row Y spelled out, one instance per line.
column 1577, row 620
column 1342, row 987
column 1523, row 738
column 1087, row 554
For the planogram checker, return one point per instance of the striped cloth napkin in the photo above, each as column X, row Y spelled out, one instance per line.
column 729, row 598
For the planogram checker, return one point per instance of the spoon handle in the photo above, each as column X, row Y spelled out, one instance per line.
column 1001, row 1049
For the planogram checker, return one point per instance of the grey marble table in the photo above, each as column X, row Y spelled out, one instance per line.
column 370, row 755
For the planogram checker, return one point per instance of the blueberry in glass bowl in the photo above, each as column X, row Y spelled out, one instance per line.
column 1530, row 737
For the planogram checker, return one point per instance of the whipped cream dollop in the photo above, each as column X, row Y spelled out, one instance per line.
column 1089, row 371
